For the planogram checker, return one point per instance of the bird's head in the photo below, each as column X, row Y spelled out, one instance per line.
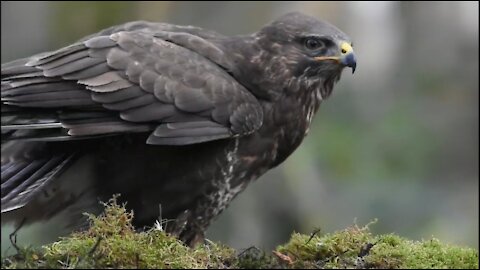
column 308, row 50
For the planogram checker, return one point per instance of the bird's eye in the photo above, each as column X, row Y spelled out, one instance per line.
column 313, row 44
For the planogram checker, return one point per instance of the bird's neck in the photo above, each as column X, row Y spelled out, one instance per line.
column 287, row 121
column 289, row 101
column 253, row 67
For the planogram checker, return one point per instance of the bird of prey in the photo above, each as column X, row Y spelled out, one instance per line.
column 172, row 117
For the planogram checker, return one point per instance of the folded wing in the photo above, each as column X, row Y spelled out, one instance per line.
column 173, row 85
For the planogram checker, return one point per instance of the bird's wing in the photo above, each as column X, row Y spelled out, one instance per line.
column 174, row 84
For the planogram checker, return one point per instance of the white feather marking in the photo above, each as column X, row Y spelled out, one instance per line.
column 225, row 190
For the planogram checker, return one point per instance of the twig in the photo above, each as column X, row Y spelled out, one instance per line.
column 365, row 249
column 315, row 232
column 248, row 249
column 137, row 260
column 333, row 257
column 160, row 211
column 90, row 253
column 283, row 258
column 13, row 235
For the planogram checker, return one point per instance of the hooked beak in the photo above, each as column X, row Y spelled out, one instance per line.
column 346, row 58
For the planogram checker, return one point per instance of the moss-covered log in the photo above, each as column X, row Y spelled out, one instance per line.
column 112, row 242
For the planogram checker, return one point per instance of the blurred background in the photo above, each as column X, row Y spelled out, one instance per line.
column 397, row 141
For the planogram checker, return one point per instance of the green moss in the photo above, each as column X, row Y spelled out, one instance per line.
column 337, row 250
column 111, row 242
column 356, row 247
column 392, row 251
column 254, row 258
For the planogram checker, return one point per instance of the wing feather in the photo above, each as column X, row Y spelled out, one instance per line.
column 146, row 77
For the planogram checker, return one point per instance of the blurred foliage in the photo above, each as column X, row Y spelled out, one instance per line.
column 366, row 151
column 89, row 17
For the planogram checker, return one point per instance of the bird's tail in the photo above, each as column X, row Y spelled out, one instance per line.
column 23, row 180
column 39, row 183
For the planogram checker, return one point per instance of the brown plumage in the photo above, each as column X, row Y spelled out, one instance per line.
column 166, row 115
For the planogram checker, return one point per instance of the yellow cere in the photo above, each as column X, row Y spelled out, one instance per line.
column 346, row 47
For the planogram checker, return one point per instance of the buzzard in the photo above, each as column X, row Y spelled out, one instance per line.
column 171, row 117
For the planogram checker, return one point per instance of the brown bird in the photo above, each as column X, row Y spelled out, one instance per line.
column 168, row 116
